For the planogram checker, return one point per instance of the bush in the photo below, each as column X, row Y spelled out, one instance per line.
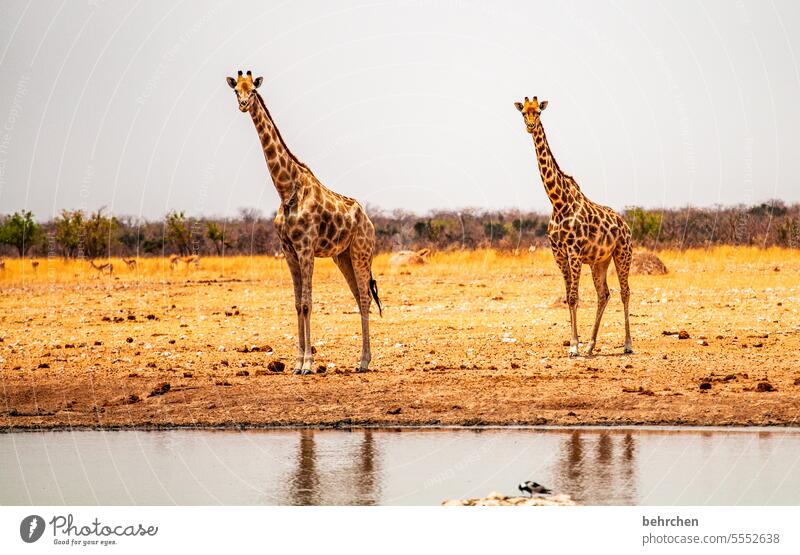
column 20, row 231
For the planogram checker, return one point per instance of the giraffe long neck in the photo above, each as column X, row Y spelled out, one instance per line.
column 557, row 184
column 283, row 167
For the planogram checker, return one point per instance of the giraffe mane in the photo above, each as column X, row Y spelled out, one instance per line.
column 555, row 162
column 280, row 137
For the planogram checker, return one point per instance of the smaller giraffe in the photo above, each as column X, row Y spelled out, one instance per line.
column 580, row 232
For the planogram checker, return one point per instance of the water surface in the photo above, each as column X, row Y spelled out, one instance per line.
column 403, row 467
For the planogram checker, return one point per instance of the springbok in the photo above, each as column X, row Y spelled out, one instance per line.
column 130, row 263
column 107, row 268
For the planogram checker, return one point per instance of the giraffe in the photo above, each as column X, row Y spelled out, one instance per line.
column 312, row 221
column 580, row 232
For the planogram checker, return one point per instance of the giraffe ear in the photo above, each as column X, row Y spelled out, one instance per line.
column 257, row 82
column 518, row 105
column 231, row 82
column 542, row 105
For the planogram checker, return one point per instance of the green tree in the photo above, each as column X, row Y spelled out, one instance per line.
column 179, row 232
column 216, row 235
column 99, row 234
column 429, row 229
column 21, row 231
column 644, row 224
column 495, row 230
column 68, row 230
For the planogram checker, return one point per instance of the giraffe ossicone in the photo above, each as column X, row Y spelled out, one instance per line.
column 580, row 232
column 312, row 221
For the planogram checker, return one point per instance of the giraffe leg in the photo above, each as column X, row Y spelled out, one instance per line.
column 345, row 265
column 306, row 259
column 294, row 269
column 574, row 265
column 361, row 260
column 622, row 261
column 563, row 264
column 601, row 286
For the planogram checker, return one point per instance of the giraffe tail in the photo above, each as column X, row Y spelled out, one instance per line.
column 373, row 289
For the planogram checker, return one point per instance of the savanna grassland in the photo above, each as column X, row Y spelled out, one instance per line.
column 470, row 338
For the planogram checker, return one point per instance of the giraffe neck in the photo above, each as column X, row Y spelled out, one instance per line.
column 284, row 167
column 559, row 186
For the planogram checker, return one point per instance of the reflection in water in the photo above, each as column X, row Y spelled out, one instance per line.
column 589, row 471
column 353, row 474
column 366, row 482
column 410, row 467
column 305, row 485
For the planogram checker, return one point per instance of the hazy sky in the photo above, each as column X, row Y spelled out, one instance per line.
column 404, row 104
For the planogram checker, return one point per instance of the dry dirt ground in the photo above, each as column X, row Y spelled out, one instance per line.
column 467, row 338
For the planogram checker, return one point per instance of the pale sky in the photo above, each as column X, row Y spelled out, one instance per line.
column 404, row 104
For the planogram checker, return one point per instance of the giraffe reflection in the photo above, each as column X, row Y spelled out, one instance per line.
column 587, row 470
column 305, row 485
column 325, row 477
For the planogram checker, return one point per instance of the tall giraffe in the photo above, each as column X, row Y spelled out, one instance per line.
column 312, row 221
column 580, row 232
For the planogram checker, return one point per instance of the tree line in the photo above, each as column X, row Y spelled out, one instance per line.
column 80, row 234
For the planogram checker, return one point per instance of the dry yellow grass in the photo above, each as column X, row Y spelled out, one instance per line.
column 469, row 337
column 149, row 269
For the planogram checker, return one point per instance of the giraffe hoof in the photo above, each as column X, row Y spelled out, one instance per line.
column 360, row 370
column 297, row 371
column 628, row 350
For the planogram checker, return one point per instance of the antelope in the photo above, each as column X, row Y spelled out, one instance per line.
column 130, row 263
column 192, row 260
column 173, row 261
column 107, row 268
column 35, row 264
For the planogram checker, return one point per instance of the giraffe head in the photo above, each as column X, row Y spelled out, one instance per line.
column 245, row 88
column 531, row 110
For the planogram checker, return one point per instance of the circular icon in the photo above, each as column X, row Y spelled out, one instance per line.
column 31, row 528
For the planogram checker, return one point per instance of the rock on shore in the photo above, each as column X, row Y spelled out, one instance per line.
column 496, row 499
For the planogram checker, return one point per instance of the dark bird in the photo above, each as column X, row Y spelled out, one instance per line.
column 533, row 487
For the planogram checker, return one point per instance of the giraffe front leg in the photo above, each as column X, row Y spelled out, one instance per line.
column 306, row 270
column 297, row 282
column 572, row 300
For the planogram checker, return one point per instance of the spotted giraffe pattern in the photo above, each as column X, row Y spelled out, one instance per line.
column 312, row 221
column 580, row 232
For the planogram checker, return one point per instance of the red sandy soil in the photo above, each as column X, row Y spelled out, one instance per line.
column 466, row 339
